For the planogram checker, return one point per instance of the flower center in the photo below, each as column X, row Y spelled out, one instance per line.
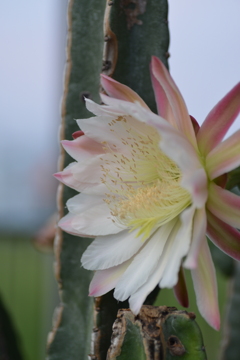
column 143, row 183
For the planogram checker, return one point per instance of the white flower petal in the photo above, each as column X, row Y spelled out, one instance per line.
column 198, row 237
column 179, row 248
column 205, row 285
column 137, row 299
column 99, row 110
column 99, row 129
column 83, row 202
column 111, row 250
column 197, row 184
column 96, row 221
column 144, row 263
column 82, row 148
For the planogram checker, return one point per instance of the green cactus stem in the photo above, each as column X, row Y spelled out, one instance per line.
column 230, row 343
column 71, row 334
column 157, row 333
column 134, row 31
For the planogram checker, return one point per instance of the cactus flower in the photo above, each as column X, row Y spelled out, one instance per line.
column 151, row 189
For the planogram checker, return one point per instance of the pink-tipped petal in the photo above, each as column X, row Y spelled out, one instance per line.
column 219, row 121
column 119, row 91
column 66, row 176
column 163, row 105
column 86, row 178
column 105, row 280
column 224, row 236
column 224, row 157
column 65, row 224
column 198, row 236
column 96, row 221
column 180, row 289
column 82, row 148
column 205, row 285
column 224, row 205
column 195, row 124
column 174, row 106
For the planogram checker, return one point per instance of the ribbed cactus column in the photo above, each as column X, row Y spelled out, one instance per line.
column 134, row 31
column 231, row 333
column 70, row 337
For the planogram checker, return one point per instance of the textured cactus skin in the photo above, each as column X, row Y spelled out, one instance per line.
column 157, row 333
column 136, row 43
column 231, row 345
column 182, row 326
column 70, row 337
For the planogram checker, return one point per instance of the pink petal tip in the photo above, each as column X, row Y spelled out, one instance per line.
column 77, row 134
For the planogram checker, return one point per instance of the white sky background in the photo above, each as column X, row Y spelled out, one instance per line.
column 205, row 51
column 205, row 63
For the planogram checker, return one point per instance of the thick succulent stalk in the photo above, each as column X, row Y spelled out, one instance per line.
column 71, row 334
column 230, row 344
column 157, row 333
column 134, row 31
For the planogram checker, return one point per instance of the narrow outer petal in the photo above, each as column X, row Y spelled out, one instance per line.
column 205, row 285
column 219, row 121
column 82, row 148
column 198, row 236
column 224, row 205
column 225, row 157
column 224, row 236
column 119, row 91
column 144, row 263
column 136, row 300
column 180, row 247
column 96, row 221
column 175, row 108
column 180, row 289
column 67, row 178
column 105, row 280
column 82, row 202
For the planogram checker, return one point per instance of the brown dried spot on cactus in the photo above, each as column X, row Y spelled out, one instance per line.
column 133, row 8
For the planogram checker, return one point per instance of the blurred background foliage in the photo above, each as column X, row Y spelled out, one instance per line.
column 33, row 37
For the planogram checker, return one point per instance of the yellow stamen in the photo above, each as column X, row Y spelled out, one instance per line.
column 143, row 183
